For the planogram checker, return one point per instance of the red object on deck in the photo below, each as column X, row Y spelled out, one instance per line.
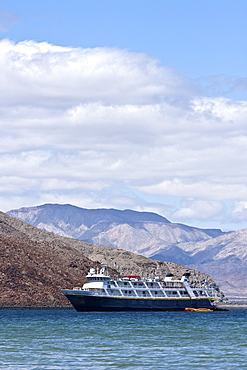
column 132, row 276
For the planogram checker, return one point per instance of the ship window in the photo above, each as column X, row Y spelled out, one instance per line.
column 125, row 283
column 125, row 291
column 155, row 292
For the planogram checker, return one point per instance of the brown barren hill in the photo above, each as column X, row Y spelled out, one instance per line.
column 32, row 273
column 35, row 265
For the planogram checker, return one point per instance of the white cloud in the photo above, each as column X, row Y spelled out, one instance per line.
column 208, row 188
column 96, row 127
column 198, row 210
column 239, row 213
column 60, row 77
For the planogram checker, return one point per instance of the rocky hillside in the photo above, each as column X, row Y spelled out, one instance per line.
column 33, row 272
column 35, row 265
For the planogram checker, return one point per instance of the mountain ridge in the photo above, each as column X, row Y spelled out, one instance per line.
column 222, row 255
column 72, row 221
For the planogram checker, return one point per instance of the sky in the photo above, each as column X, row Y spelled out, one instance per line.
column 126, row 104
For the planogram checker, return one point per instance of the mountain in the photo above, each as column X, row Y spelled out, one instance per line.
column 221, row 255
column 140, row 232
column 224, row 258
column 35, row 265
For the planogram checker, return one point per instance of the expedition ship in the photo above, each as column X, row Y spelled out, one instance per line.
column 133, row 293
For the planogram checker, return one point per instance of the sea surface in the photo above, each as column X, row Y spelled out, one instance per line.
column 65, row 339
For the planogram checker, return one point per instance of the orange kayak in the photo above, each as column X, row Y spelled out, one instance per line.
column 198, row 309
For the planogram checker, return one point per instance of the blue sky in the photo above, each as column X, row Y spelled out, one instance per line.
column 126, row 104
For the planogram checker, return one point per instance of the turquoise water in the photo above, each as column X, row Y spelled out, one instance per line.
column 65, row 339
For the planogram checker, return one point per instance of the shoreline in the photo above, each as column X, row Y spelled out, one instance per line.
column 15, row 307
column 224, row 306
column 233, row 305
